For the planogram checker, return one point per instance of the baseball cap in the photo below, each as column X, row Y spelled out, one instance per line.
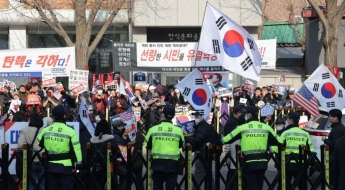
column 293, row 115
column 152, row 87
column 58, row 111
column 252, row 109
column 169, row 112
column 118, row 123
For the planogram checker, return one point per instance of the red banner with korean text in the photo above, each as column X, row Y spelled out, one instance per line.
column 49, row 61
column 33, row 99
column 48, row 81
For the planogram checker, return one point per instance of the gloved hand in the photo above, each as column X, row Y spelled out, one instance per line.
column 219, row 141
column 79, row 166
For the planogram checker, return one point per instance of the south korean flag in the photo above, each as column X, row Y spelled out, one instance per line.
column 234, row 47
column 194, row 89
column 326, row 88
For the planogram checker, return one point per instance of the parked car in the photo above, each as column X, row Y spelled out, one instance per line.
column 319, row 127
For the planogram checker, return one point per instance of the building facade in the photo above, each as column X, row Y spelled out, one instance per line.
column 147, row 21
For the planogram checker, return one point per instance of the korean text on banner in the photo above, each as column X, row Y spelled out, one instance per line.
column 78, row 81
column 268, row 51
column 49, row 61
column 231, row 43
column 48, row 81
column 33, row 99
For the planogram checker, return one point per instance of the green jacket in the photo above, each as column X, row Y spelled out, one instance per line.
column 165, row 139
column 61, row 144
column 254, row 140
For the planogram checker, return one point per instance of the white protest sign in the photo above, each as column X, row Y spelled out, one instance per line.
column 225, row 91
column 48, row 81
column 243, row 100
column 78, row 81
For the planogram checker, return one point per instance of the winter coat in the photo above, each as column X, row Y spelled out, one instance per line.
column 101, row 104
column 177, row 100
column 337, row 131
column 118, row 137
column 138, row 146
column 339, row 164
column 200, row 137
column 27, row 137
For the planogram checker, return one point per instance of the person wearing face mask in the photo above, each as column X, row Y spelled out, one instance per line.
column 292, row 138
column 254, row 137
column 280, row 125
column 201, row 136
column 236, row 119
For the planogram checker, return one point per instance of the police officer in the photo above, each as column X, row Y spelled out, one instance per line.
column 254, row 137
column 292, row 137
column 165, row 140
column 236, row 119
column 63, row 148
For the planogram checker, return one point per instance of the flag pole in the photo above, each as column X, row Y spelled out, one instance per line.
column 200, row 33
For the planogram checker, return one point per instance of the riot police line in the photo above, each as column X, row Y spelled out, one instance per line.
column 85, row 178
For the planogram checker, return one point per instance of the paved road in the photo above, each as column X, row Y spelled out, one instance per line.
column 270, row 175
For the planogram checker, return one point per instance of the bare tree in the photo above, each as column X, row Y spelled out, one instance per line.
column 331, row 22
column 301, row 38
column 264, row 17
column 85, row 15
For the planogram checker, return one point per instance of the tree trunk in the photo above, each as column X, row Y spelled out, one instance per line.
column 330, row 45
column 82, row 42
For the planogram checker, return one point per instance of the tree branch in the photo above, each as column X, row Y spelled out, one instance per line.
column 58, row 29
column 105, row 27
column 341, row 11
column 320, row 13
column 295, row 26
column 93, row 14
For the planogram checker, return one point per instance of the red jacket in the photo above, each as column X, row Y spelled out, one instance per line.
column 100, row 104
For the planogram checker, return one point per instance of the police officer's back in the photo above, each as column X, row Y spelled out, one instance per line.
column 63, row 149
column 254, row 137
column 292, row 138
column 165, row 140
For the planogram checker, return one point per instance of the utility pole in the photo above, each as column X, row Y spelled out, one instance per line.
column 130, row 32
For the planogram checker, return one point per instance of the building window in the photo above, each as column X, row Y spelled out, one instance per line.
column 3, row 38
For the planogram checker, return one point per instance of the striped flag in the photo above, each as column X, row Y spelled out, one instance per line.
column 307, row 100
column 156, row 83
column 127, row 115
column 281, row 79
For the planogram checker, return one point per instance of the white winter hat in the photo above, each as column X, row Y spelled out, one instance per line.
column 152, row 87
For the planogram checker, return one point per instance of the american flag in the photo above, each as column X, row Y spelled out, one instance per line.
column 307, row 100
column 156, row 83
column 127, row 115
column 281, row 79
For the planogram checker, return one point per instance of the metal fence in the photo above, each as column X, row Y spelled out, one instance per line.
column 213, row 162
